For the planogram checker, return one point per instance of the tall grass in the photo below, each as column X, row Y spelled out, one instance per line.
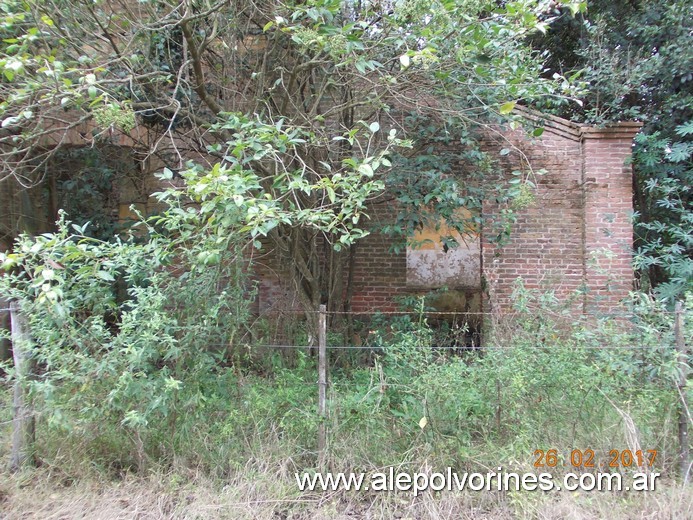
column 541, row 382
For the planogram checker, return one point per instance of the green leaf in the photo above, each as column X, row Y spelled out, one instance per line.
column 9, row 121
column 679, row 152
column 366, row 170
column 105, row 275
column 508, row 107
column 374, row 126
column 685, row 129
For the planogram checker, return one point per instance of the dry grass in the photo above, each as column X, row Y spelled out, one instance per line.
column 263, row 493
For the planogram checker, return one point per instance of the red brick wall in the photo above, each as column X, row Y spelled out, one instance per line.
column 575, row 238
column 545, row 244
column 608, row 215
column 379, row 276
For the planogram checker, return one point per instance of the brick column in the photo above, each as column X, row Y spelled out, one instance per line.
column 608, row 209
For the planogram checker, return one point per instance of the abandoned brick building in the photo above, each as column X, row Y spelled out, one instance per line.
column 575, row 238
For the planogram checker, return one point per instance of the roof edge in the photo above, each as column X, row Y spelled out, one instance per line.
column 578, row 132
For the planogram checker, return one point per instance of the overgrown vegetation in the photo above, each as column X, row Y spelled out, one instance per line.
column 305, row 106
column 158, row 376
column 148, row 364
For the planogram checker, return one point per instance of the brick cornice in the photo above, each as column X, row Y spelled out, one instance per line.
column 623, row 130
column 578, row 132
column 550, row 123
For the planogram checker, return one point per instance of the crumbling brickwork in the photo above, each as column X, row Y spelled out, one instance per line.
column 574, row 238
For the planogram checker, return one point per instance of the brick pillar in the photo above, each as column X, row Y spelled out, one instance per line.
column 608, row 209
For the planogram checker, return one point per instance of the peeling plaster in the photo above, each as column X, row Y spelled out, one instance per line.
column 431, row 266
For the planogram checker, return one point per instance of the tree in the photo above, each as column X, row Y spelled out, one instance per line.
column 303, row 105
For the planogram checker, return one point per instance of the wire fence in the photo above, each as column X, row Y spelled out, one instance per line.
column 470, row 348
column 458, row 348
column 465, row 313
column 381, row 344
column 675, row 344
column 452, row 313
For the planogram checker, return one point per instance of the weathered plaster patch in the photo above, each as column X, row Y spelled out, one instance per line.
column 431, row 266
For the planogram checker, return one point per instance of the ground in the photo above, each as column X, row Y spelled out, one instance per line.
column 266, row 494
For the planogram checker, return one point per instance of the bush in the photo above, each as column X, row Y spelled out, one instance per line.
column 128, row 335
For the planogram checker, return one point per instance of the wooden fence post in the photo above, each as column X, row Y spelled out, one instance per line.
column 23, row 423
column 5, row 350
column 684, row 417
column 322, row 385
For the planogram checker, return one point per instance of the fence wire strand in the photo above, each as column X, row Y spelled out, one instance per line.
column 449, row 313
column 462, row 348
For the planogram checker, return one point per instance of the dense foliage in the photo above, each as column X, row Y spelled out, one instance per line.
column 176, row 382
column 306, row 105
column 126, row 333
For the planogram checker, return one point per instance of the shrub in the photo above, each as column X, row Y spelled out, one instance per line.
column 129, row 334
